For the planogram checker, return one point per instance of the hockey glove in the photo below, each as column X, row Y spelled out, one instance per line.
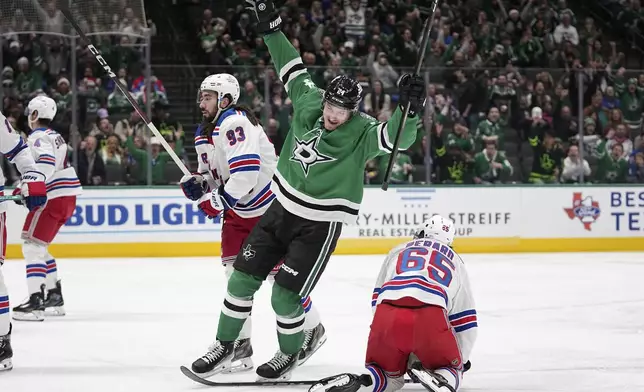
column 194, row 186
column 33, row 191
column 268, row 19
column 412, row 90
column 213, row 204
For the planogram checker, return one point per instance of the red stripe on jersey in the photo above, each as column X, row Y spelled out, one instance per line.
column 463, row 320
column 245, row 162
column 403, row 282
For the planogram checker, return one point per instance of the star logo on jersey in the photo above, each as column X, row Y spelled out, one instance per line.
column 585, row 209
column 248, row 252
column 306, row 154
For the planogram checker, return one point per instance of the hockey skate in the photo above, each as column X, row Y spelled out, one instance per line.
column 345, row 382
column 279, row 368
column 242, row 360
column 6, row 353
column 32, row 310
column 433, row 382
column 216, row 360
column 55, row 304
column 313, row 340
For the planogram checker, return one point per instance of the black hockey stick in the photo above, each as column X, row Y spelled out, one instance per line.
column 99, row 58
column 188, row 373
column 209, row 383
column 427, row 29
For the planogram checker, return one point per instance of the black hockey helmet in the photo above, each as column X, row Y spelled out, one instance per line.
column 343, row 92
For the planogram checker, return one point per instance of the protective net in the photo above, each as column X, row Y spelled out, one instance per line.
column 38, row 51
column 43, row 17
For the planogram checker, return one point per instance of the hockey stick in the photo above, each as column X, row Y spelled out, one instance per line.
column 209, row 383
column 188, row 373
column 99, row 58
column 11, row 197
column 427, row 29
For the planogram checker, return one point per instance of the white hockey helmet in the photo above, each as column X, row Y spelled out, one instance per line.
column 438, row 228
column 223, row 84
column 44, row 107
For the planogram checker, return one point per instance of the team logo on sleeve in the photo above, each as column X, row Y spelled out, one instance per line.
column 585, row 209
column 306, row 154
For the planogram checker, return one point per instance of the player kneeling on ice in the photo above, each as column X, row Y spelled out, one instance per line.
column 34, row 193
column 49, row 150
column 424, row 322
column 318, row 186
column 236, row 164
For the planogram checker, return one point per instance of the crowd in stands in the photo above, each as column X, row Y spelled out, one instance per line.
column 110, row 143
column 503, row 99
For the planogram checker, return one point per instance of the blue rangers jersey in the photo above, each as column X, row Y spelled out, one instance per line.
column 241, row 157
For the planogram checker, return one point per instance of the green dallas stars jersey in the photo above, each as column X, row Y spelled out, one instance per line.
column 320, row 174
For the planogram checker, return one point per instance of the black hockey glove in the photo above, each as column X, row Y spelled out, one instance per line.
column 268, row 19
column 412, row 90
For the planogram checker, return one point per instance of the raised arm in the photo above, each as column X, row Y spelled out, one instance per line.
column 380, row 136
column 288, row 63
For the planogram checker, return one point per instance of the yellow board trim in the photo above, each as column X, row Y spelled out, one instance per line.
column 362, row 246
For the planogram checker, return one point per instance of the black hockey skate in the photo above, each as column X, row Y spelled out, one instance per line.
column 216, row 360
column 279, row 368
column 345, row 382
column 55, row 304
column 33, row 309
column 313, row 340
column 242, row 360
column 433, row 382
column 6, row 353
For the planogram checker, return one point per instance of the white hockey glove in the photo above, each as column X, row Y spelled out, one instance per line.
column 33, row 190
column 213, row 204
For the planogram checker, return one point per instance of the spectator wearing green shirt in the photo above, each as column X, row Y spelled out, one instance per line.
column 159, row 158
column 401, row 170
column 28, row 79
column 612, row 168
column 491, row 165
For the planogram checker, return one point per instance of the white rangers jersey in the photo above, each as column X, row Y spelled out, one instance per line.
column 49, row 149
column 433, row 273
column 14, row 148
column 241, row 157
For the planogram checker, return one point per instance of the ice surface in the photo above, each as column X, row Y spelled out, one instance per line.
column 548, row 322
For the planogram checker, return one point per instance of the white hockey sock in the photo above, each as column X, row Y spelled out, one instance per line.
column 35, row 256
column 36, row 276
column 247, row 329
column 453, row 376
column 312, row 317
column 52, row 272
column 4, row 307
column 381, row 381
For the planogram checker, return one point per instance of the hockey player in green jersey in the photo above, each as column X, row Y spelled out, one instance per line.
column 318, row 186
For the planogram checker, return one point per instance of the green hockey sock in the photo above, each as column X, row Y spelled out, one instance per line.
column 237, row 305
column 290, row 319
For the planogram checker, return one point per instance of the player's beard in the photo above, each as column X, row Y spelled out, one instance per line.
column 207, row 116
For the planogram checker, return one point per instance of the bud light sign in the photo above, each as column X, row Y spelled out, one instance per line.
column 138, row 215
